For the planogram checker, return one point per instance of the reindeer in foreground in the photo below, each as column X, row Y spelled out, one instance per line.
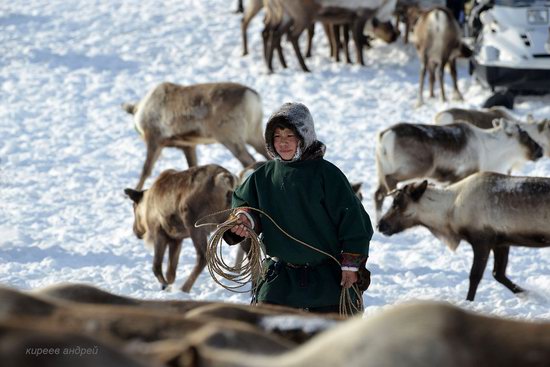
column 122, row 326
column 438, row 43
column 490, row 211
column 448, row 153
column 411, row 335
column 172, row 115
column 166, row 213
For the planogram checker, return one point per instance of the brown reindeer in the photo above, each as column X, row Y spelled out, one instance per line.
column 261, row 316
column 85, row 293
column 172, row 115
column 490, row 211
column 79, row 307
column 438, row 43
column 124, row 326
column 410, row 335
column 253, row 8
column 166, row 213
column 339, row 22
column 292, row 17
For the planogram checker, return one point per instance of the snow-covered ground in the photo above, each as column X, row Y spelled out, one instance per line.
column 67, row 149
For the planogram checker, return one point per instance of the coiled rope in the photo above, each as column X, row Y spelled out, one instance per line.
column 251, row 270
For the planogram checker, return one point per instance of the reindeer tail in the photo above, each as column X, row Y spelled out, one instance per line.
column 130, row 108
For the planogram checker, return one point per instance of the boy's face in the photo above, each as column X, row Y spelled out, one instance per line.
column 286, row 143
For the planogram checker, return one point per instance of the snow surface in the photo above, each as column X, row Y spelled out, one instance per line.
column 68, row 150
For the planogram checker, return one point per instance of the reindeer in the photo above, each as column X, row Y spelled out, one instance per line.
column 409, row 335
column 178, row 116
column 488, row 210
column 438, row 43
column 253, row 8
column 408, row 11
column 57, row 306
column 123, row 326
column 85, row 293
column 341, row 21
column 166, row 213
column 538, row 130
column 292, row 17
column 480, row 118
column 448, row 153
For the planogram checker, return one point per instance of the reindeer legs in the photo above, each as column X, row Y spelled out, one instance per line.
column 190, row 155
column 160, row 249
column 310, row 33
column 199, row 239
column 420, row 100
column 174, row 249
column 481, row 255
column 153, row 152
column 240, row 152
column 440, row 77
column 500, row 255
column 456, row 92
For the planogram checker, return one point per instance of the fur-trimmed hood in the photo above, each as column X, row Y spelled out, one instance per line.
column 297, row 117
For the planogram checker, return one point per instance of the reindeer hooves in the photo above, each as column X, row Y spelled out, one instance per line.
column 517, row 289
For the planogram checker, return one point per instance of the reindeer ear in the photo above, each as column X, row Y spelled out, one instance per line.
column 417, row 190
column 135, row 195
column 226, row 179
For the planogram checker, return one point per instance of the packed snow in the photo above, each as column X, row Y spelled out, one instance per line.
column 68, row 150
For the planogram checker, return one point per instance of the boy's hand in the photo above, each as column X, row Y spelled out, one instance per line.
column 348, row 278
column 241, row 228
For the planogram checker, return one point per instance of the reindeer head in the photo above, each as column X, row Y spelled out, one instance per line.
column 540, row 132
column 384, row 30
column 533, row 151
column 402, row 213
column 137, row 197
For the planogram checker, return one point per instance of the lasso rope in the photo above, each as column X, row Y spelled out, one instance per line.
column 252, row 270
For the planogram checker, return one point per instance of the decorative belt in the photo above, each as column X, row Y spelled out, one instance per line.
column 300, row 266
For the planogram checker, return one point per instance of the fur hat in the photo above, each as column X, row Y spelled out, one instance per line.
column 295, row 116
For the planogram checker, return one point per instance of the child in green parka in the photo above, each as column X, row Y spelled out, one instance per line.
column 313, row 201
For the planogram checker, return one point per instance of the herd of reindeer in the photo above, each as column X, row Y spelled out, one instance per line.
column 468, row 156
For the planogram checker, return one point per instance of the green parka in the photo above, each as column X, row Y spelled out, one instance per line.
column 313, row 201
